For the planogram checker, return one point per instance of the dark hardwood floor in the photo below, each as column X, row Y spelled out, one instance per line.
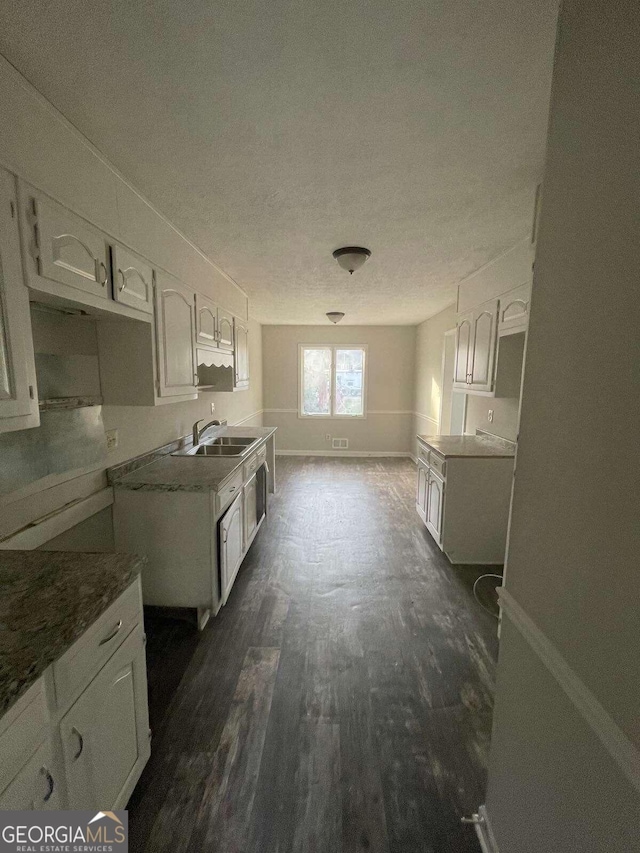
column 342, row 699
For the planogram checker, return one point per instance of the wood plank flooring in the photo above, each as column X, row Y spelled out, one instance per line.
column 342, row 699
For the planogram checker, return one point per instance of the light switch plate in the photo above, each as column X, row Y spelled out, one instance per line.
column 112, row 439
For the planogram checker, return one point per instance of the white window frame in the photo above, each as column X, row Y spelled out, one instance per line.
column 365, row 381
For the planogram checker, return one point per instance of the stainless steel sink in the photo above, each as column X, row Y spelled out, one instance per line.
column 218, row 450
column 231, row 439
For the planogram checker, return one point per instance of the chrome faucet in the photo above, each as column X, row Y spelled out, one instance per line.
column 197, row 433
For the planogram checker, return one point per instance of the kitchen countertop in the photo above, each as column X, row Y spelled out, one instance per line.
column 47, row 600
column 189, row 473
column 451, row 446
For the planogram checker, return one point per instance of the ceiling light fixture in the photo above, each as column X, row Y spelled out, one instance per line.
column 335, row 316
column 351, row 258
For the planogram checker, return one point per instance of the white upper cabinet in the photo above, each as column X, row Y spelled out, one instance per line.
column 514, row 310
column 68, row 249
column 175, row 329
column 214, row 326
column 485, row 320
column 476, row 336
column 18, row 397
column 463, row 349
column 206, row 322
column 132, row 279
column 241, row 354
column 225, row 330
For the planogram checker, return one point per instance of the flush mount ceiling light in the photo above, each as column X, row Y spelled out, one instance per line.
column 335, row 316
column 351, row 258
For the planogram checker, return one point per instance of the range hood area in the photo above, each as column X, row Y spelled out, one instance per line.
column 215, row 370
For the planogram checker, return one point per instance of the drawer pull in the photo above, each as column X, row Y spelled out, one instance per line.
column 112, row 634
column 75, row 731
column 232, row 489
column 50, row 783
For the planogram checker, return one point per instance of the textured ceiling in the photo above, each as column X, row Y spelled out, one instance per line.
column 274, row 132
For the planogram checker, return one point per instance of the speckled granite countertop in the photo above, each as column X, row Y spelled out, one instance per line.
column 188, row 473
column 451, row 446
column 47, row 600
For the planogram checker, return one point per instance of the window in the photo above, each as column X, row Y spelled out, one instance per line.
column 332, row 383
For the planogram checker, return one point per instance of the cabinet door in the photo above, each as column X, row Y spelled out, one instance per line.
column 175, row 337
column 18, row 398
column 463, row 350
column 484, row 346
column 231, row 546
column 132, row 280
column 206, row 321
column 250, row 493
column 435, row 505
column 105, row 735
column 70, row 250
column 421, row 491
column 241, row 354
column 37, row 787
column 225, row 330
column 514, row 310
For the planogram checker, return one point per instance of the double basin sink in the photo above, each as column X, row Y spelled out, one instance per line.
column 228, row 445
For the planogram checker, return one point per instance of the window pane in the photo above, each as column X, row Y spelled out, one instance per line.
column 349, row 382
column 316, row 382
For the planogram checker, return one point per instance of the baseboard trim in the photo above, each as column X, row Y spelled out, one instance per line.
column 356, row 453
column 485, row 835
column 614, row 740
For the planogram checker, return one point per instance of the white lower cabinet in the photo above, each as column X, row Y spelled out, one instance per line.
column 464, row 504
column 38, row 786
column 435, row 505
column 231, row 546
column 105, row 735
column 58, row 753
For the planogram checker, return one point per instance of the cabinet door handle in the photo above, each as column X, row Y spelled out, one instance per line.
column 50, row 783
column 102, row 278
column 112, row 634
column 123, row 282
column 75, row 731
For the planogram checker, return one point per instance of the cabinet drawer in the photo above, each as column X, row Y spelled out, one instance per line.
column 423, row 454
column 228, row 491
column 85, row 658
column 255, row 462
column 437, row 463
column 22, row 730
column 36, row 787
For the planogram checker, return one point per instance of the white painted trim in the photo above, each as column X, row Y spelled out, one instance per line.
column 487, row 839
column 248, row 418
column 358, row 453
column 342, row 417
column 42, row 530
column 427, row 418
column 620, row 748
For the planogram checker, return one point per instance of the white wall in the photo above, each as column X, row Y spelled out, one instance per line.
column 428, row 391
column 565, row 762
column 390, row 378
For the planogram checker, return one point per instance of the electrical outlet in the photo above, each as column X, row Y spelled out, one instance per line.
column 213, row 408
column 328, row 437
column 112, row 439
column 490, row 416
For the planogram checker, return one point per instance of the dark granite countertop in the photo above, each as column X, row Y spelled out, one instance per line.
column 168, row 473
column 47, row 600
column 451, row 446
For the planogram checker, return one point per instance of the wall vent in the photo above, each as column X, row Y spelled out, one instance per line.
column 340, row 443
